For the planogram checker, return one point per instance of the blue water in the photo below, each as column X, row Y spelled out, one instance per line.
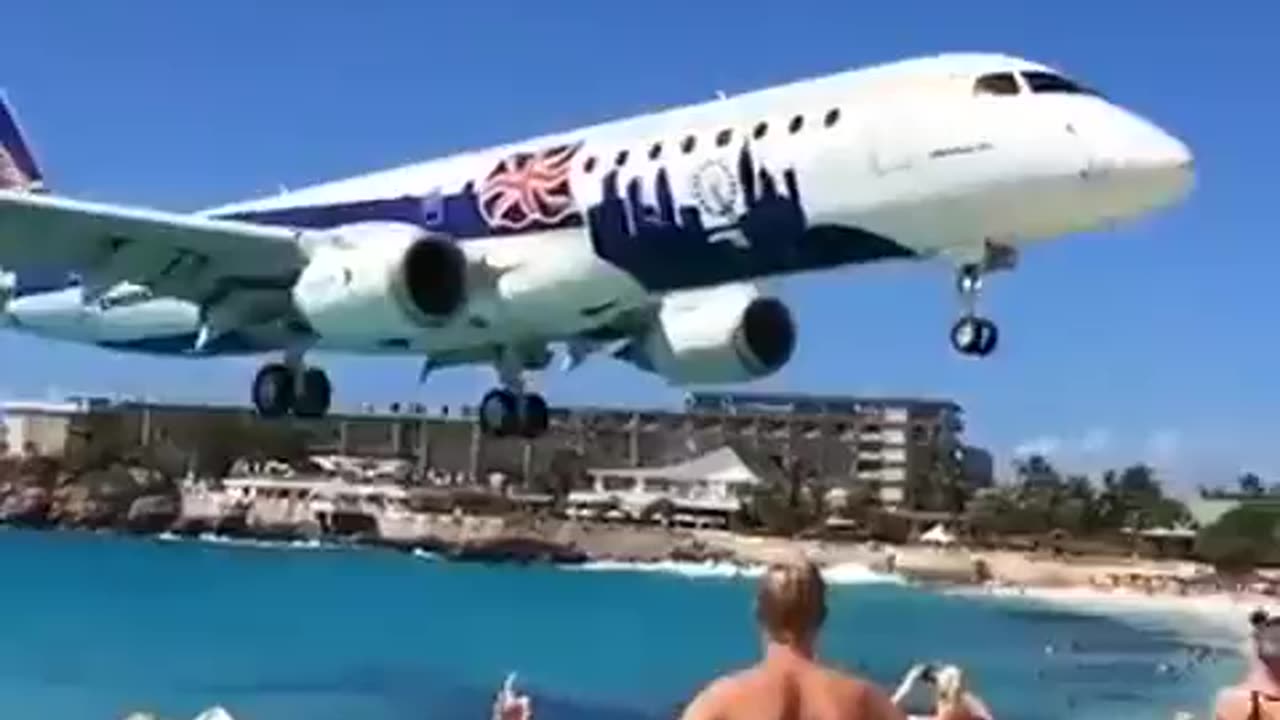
column 96, row 626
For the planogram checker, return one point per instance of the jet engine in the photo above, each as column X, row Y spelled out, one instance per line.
column 382, row 280
column 722, row 335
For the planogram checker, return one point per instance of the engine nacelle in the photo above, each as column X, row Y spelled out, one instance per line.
column 723, row 335
column 384, row 279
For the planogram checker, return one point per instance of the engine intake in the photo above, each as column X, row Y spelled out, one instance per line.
column 384, row 283
column 725, row 335
column 433, row 275
column 767, row 335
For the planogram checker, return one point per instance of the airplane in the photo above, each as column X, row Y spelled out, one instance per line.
column 645, row 239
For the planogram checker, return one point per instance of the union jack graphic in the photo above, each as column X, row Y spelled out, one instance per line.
column 529, row 189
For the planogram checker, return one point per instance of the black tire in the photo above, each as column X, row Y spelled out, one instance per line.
column 498, row 413
column 273, row 392
column 316, row 395
column 990, row 338
column 974, row 336
column 534, row 416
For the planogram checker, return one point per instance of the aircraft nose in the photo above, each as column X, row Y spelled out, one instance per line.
column 1160, row 154
column 1141, row 166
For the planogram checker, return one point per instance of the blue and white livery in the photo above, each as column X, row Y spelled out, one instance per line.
column 643, row 238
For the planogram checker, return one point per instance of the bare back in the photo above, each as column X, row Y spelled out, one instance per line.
column 796, row 690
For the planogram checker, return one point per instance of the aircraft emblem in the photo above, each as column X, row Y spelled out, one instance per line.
column 715, row 188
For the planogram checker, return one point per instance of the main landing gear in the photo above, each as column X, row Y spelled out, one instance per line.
column 512, row 410
column 506, row 413
column 280, row 389
column 972, row 334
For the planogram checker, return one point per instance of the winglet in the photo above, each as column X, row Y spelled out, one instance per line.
column 18, row 168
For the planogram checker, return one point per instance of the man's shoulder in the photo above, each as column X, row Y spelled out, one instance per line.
column 720, row 691
column 849, row 682
column 862, row 694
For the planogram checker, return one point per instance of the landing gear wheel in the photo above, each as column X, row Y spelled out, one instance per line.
column 499, row 416
column 273, row 391
column 534, row 417
column 974, row 336
column 314, row 394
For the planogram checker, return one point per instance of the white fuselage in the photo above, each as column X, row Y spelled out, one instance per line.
column 905, row 160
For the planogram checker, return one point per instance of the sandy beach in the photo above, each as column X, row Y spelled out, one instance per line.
column 1076, row 583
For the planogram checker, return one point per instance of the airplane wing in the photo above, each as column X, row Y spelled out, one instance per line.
column 183, row 256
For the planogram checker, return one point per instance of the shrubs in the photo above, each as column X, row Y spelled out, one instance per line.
column 1242, row 539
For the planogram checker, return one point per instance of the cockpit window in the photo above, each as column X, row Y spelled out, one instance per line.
column 1045, row 82
column 996, row 84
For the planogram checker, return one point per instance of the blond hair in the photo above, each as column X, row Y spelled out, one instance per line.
column 791, row 603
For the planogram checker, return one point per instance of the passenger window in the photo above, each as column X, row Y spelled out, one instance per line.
column 833, row 117
column 761, row 129
column 797, row 122
column 655, row 151
column 688, row 143
column 1044, row 82
column 621, row 159
column 724, row 137
column 589, row 165
column 996, row 84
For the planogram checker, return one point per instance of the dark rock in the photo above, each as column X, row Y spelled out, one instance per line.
column 699, row 552
column 521, row 550
column 27, row 507
column 192, row 526
column 153, row 513
column 79, row 506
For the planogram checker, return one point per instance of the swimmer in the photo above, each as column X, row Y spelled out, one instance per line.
column 954, row 701
column 509, row 705
column 1257, row 696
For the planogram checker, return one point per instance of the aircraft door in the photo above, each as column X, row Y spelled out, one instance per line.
column 894, row 142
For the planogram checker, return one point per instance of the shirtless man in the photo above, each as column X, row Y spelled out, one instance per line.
column 789, row 683
column 1257, row 696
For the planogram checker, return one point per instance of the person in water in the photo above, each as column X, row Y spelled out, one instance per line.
column 789, row 681
column 952, row 700
column 1257, row 696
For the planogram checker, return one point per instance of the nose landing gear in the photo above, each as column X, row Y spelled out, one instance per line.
column 972, row 334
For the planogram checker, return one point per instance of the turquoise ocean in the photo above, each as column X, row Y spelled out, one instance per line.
column 96, row 626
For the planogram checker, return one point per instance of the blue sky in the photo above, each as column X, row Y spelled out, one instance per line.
column 1155, row 342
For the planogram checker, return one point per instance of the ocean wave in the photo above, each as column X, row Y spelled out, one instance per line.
column 216, row 539
column 840, row 574
column 1210, row 615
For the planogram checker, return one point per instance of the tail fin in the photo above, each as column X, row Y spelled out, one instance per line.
column 18, row 169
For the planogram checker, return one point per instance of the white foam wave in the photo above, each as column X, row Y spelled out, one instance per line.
column 858, row 574
column 685, row 569
column 841, row 574
column 1210, row 614
column 216, row 539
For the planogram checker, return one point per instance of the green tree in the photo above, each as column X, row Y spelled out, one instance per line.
column 1250, row 484
column 1242, row 539
column 1075, row 508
